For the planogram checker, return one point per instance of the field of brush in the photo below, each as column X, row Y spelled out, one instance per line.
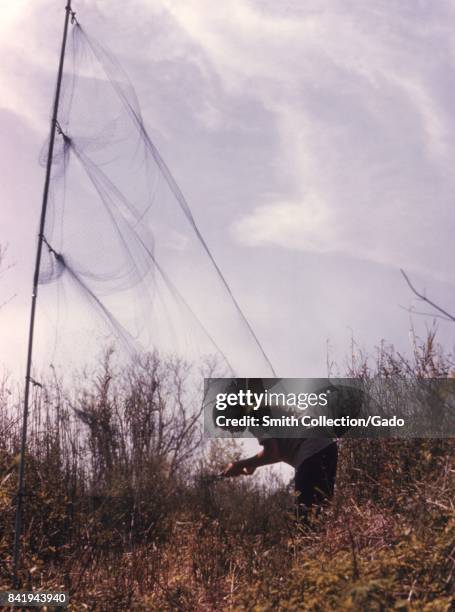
column 118, row 514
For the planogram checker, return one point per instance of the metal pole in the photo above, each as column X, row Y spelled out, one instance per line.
column 21, row 482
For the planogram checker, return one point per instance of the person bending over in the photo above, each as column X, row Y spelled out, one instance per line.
column 314, row 460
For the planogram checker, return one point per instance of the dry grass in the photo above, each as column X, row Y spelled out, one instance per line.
column 117, row 515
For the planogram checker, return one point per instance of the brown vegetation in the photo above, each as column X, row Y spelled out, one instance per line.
column 119, row 515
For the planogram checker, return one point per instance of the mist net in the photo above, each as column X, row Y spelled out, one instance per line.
column 124, row 261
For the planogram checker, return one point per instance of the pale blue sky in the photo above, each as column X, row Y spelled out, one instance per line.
column 314, row 142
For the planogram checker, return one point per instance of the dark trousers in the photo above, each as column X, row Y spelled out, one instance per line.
column 315, row 479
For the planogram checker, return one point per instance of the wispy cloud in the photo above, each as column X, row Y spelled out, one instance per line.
column 362, row 98
column 314, row 141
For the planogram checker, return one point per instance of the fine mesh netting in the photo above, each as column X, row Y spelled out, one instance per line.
column 124, row 260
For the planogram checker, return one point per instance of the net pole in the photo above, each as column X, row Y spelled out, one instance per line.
column 28, row 380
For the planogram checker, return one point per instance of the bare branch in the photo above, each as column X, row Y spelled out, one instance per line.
column 424, row 314
column 425, row 299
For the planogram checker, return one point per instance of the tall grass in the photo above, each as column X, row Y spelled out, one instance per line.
column 117, row 512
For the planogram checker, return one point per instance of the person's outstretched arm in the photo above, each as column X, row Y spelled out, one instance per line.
column 270, row 453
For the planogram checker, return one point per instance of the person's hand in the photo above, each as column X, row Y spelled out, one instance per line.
column 237, row 468
column 248, row 470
